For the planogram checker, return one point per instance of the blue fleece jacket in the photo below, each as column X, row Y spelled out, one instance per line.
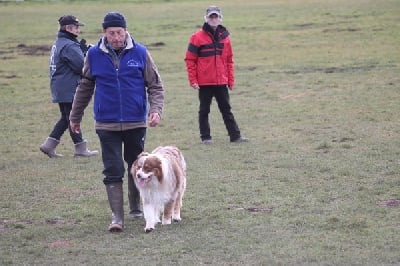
column 120, row 94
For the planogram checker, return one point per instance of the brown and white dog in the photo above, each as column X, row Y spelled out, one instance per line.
column 160, row 176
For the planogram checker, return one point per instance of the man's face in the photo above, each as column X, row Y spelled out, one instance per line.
column 213, row 20
column 74, row 29
column 115, row 36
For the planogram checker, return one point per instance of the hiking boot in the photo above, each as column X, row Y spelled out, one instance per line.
column 240, row 139
column 207, row 141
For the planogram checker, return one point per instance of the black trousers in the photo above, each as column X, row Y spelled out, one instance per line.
column 221, row 94
column 117, row 147
column 63, row 124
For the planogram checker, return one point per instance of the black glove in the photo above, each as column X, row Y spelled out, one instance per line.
column 84, row 46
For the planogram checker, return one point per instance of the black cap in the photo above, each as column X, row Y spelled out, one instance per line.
column 69, row 20
column 114, row 19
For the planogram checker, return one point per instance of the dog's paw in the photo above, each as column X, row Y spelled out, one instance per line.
column 166, row 221
column 176, row 218
column 148, row 230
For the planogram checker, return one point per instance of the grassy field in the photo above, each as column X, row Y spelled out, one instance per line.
column 317, row 94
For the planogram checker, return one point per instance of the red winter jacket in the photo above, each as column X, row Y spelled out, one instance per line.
column 209, row 58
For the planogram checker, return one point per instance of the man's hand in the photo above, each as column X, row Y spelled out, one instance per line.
column 195, row 86
column 75, row 127
column 154, row 119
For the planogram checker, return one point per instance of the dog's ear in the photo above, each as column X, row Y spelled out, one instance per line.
column 157, row 169
column 133, row 169
column 135, row 163
column 138, row 163
column 143, row 153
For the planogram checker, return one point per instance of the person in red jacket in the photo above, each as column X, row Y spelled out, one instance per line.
column 210, row 68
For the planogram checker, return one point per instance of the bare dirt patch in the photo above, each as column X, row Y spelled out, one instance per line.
column 392, row 203
column 61, row 222
column 155, row 45
column 33, row 50
column 6, row 55
column 255, row 209
column 60, row 244
column 8, row 224
column 16, row 223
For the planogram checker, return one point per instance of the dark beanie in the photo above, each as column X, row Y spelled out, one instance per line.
column 114, row 19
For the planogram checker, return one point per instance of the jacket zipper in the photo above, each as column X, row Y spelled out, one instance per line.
column 215, row 57
column 117, row 61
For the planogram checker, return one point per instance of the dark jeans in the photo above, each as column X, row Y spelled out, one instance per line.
column 221, row 94
column 63, row 124
column 112, row 142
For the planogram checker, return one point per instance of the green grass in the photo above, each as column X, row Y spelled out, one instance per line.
column 317, row 94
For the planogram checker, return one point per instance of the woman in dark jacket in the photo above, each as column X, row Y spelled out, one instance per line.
column 66, row 63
